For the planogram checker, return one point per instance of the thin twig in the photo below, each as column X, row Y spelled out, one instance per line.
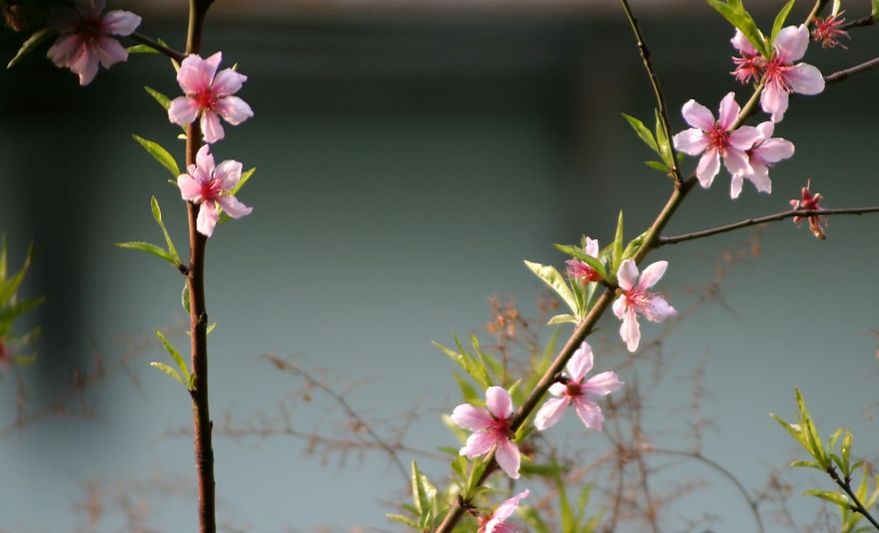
column 845, row 73
column 763, row 220
column 857, row 506
column 869, row 20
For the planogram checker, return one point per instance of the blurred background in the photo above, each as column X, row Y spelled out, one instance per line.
column 410, row 155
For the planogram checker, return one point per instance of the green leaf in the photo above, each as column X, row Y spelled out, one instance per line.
column 150, row 249
column 466, row 362
column 617, row 245
column 405, row 520
column 12, row 311
column 846, row 450
column 832, row 497
column 163, row 100
column 159, row 153
column 642, row 132
column 658, row 165
column 175, row 355
column 245, row 177
column 579, row 253
column 795, row 431
column 556, row 282
column 184, row 297
column 837, row 5
column 467, row 390
column 9, row 287
column 780, row 19
column 633, row 246
column 167, row 369
column 36, row 39
column 734, row 12
column 805, row 464
column 664, row 150
column 157, row 216
column 874, row 8
column 562, row 319
column 532, row 517
column 142, row 49
column 3, row 259
column 419, row 497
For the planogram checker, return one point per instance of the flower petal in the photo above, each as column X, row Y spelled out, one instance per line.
column 791, row 43
column 109, row 51
column 558, row 389
column 736, row 161
column 580, row 363
column 708, row 167
column 227, row 82
column 233, row 207
column 657, row 309
column 190, row 189
column 691, row 142
column 204, row 160
column 729, row 110
column 207, row 218
column 196, row 74
column 471, row 417
column 627, row 275
column 630, row 330
column 697, row 115
column 550, row 413
column 498, row 401
column 211, row 127
column 589, row 412
column 774, row 101
column 506, row 509
column 760, row 178
column 477, row 444
column 775, row 149
column 507, row 457
column 183, row 110
column 229, row 173
column 65, row 49
column 735, row 186
column 805, row 79
column 742, row 44
column 119, row 22
column 602, row 384
column 234, row 110
column 620, row 306
column 744, row 137
column 85, row 64
column 592, row 247
column 652, row 274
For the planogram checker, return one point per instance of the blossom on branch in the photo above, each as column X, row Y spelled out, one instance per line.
column 208, row 94
column 715, row 140
column 750, row 63
column 782, row 77
column 580, row 270
column 810, row 202
column 211, row 187
column 491, row 429
column 496, row 522
column 85, row 38
column 827, row 30
column 762, row 156
column 574, row 391
column 636, row 298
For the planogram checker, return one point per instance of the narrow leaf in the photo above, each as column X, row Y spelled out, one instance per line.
column 562, row 319
column 832, row 497
column 163, row 100
column 662, row 141
column 245, row 177
column 642, row 131
column 175, row 354
column 157, row 216
column 734, row 12
column 617, row 256
column 780, row 19
column 405, row 520
column 30, row 44
column 142, row 49
column 167, row 369
column 555, row 281
column 150, row 249
column 159, row 153
column 658, row 165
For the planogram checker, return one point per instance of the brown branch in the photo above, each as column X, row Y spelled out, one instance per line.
column 763, row 220
column 869, row 20
column 198, row 318
column 841, row 75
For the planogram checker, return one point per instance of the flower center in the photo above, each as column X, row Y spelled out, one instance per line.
column 718, row 138
column 206, row 99
column 573, row 390
column 500, row 428
column 776, row 74
column 89, row 29
column 638, row 299
column 211, row 190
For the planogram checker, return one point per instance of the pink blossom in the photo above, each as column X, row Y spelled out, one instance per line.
column 574, row 391
column 491, row 429
column 636, row 298
column 496, row 522
column 211, row 186
column 209, row 94
column 715, row 140
column 810, row 202
column 827, row 30
column 85, row 38
column 782, row 77
column 750, row 63
column 577, row 269
column 762, row 156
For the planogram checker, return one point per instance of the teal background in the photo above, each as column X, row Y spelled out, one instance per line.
column 407, row 162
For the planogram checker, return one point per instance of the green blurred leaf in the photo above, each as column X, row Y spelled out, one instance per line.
column 468, row 393
column 474, row 369
column 12, row 311
column 832, row 497
column 658, row 165
column 159, row 153
column 562, row 319
column 617, row 244
column 780, row 20
column 175, row 355
column 805, row 464
column 157, row 216
column 35, row 40
column 642, row 132
column 184, row 297
column 533, row 519
column 556, row 282
column 874, row 9
column 150, row 249
column 405, row 520
column 167, row 369
column 141, row 49
column 736, row 14
column 245, row 177
column 163, row 100
column 664, row 147
column 9, row 287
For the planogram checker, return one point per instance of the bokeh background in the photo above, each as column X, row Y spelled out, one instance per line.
column 410, row 155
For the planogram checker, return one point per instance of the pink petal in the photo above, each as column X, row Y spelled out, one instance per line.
column 729, row 110
column 211, row 127
column 791, row 43
column 558, row 389
column 580, row 363
column 735, row 186
column 742, row 44
column 498, row 401
column 744, row 137
column 760, row 178
column 506, row 509
column 207, row 218
column 550, row 413
column 691, row 142
column 652, row 274
column 657, row 309
column 805, row 79
column 229, row 173
column 766, row 128
column 471, row 417
column 775, row 149
column 620, row 306
column 190, row 189
column 477, row 444
column 774, row 101
column 65, row 49
column 736, row 161
column 234, row 110
column 85, row 64
column 602, row 384
column 204, row 160
column 233, row 207
column 227, row 82
column 592, row 247
column 627, row 275
column 708, row 167
column 630, row 330
column 109, row 51
column 589, row 413
column 507, row 457
column 697, row 115
column 183, row 110
column 196, row 74
column 119, row 22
